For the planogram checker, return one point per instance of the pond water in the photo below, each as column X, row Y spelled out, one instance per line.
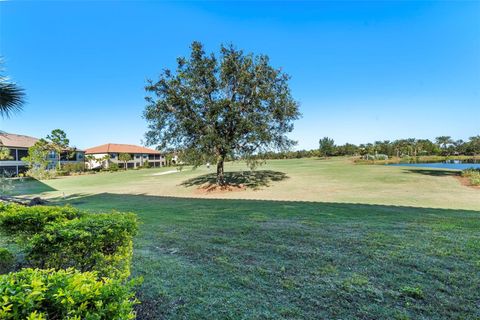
column 454, row 165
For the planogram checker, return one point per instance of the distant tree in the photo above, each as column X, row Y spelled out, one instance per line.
column 326, row 147
column 105, row 160
column 168, row 159
column 213, row 108
column 90, row 158
column 349, row 149
column 443, row 142
column 124, row 157
column 12, row 97
column 459, row 146
column 474, row 145
column 58, row 142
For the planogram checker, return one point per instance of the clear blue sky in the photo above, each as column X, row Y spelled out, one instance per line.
column 362, row 71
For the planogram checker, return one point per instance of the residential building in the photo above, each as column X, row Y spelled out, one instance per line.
column 19, row 144
column 109, row 153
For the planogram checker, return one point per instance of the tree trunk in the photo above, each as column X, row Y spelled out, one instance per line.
column 220, row 173
column 59, row 159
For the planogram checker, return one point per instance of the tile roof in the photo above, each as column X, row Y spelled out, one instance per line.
column 120, row 148
column 16, row 140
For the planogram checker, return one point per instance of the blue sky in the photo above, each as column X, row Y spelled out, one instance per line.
column 362, row 71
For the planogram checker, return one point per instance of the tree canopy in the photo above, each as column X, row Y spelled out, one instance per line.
column 213, row 108
column 326, row 147
column 124, row 157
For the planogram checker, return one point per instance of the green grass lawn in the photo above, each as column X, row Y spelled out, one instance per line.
column 359, row 242
column 336, row 180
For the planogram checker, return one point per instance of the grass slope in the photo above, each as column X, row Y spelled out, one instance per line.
column 391, row 257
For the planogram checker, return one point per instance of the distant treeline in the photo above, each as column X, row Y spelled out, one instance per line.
column 442, row 146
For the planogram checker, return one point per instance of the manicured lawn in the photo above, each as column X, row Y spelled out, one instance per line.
column 399, row 255
column 336, row 180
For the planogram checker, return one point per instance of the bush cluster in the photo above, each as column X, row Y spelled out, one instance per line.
column 6, row 261
column 74, row 168
column 98, row 242
column 64, row 294
column 41, row 174
column 18, row 220
column 473, row 175
column 83, row 262
column 113, row 167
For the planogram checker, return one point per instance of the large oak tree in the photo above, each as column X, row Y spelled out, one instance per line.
column 233, row 105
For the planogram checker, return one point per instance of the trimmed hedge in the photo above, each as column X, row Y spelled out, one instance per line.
column 87, row 258
column 18, row 220
column 96, row 242
column 64, row 294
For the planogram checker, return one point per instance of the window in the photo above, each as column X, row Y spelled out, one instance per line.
column 113, row 155
column 22, row 153
column 8, row 171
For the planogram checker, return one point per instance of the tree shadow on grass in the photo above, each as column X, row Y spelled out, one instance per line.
column 28, row 186
column 248, row 179
column 433, row 172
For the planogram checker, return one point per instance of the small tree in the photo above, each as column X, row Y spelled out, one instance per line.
column 232, row 106
column 104, row 161
column 58, row 142
column 5, row 153
column 124, row 157
column 327, row 147
column 37, row 154
column 90, row 158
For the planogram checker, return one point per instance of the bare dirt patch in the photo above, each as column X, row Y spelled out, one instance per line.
column 211, row 188
column 464, row 181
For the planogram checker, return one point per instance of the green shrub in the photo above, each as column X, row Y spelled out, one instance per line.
column 473, row 175
column 113, row 166
column 64, row 294
column 95, row 242
column 41, row 173
column 73, row 167
column 22, row 220
column 7, row 261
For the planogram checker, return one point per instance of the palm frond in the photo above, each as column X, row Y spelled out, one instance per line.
column 11, row 98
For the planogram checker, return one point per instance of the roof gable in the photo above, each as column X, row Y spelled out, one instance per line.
column 17, row 140
column 120, row 148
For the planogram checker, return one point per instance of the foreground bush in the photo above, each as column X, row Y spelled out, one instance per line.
column 64, row 294
column 7, row 261
column 96, row 242
column 21, row 220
